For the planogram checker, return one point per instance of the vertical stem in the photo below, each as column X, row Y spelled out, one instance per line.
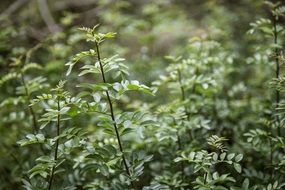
column 182, row 92
column 113, row 116
column 179, row 148
column 277, row 69
column 27, row 93
column 183, row 97
column 28, row 96
column 271, row 158
column 271, row 152
column 205, row 177
column 180, row 84
column 56, row 145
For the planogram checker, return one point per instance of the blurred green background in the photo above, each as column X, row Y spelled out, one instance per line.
column 147, row 31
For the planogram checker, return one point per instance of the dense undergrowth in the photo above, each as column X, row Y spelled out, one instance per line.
column 206, row 114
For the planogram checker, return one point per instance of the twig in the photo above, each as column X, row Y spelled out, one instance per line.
column 277, row 69
column 27, row 93
column 113, row 116
column 47, row 17
column 56, row 145
column 28, row 97
column 13, row 7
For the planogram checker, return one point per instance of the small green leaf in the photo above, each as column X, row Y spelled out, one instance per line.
column 237, row 167
column 239, row 157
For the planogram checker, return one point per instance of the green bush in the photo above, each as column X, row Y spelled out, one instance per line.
column 208, row 114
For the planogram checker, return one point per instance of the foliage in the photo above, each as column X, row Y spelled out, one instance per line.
column 196, row 104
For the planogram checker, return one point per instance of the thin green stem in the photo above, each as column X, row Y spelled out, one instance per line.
column 271, row 158
column 205, row 178
column 113, row 116
column 180, row 148
column 180, row 84
column 179, row 144
column 27, row 93
column 28, row 97
column 183, row 98
column 277, row 69
column 277, row 64
column 56, row 145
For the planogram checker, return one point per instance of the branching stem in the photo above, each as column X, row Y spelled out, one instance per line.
column 277, row 69
column 56, row 144
column 113, row 116
column 27, row 93
column 183, row 98
column 179, row 144
column 28, row 97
